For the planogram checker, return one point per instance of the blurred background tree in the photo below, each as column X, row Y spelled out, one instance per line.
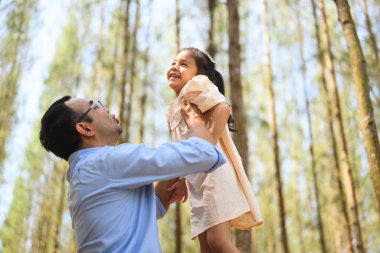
column 302, row 78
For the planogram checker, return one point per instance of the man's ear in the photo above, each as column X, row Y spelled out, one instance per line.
column 84, row 129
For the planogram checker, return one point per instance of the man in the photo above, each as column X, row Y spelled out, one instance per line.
column 112, row 201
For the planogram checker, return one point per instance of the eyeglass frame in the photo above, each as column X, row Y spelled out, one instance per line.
column 94, row 104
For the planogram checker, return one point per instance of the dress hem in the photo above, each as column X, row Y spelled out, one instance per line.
column 257, row 223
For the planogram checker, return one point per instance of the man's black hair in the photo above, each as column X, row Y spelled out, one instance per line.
column 58, row 133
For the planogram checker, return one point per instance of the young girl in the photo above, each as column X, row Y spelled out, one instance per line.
column 223, row 198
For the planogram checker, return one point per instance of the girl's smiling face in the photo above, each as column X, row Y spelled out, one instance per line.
column 182, row 70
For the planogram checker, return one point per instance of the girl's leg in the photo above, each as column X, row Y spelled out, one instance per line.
column 203, row 243
column 218, row 239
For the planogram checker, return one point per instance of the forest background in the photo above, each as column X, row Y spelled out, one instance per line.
column 305, row 94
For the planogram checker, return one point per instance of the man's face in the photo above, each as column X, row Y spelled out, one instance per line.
column 105, row 125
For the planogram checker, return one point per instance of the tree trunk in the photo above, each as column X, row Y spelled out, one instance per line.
column 310, row 133
column 60, row 208
column 98, row 68
column 13, row 47
column 178, row 221
column 112, row 65
column 243, row 238
column 124, row 68
column 13, row 232
column 273, row 128
column 146, row 80
column 347, row 168
column 365, row 110
column 338, row 246
column 372, row 44
column 133, row 77
column 329, row 115
column 177, row 25
column 40, row 236
column 211, row 47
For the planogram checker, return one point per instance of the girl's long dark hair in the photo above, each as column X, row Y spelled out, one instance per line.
column 206, row 66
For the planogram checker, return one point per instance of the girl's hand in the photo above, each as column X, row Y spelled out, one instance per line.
column 180, row 191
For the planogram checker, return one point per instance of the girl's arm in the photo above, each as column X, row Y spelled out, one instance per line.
column 218, row 117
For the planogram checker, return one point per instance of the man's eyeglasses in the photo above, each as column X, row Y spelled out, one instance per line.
column 94, row 105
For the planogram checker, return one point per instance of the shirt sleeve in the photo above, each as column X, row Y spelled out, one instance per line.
column 136, row 165
column 160, row 208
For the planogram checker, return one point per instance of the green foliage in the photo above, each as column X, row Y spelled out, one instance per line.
column 45, row 234
column 14, row 231
column 166, row 226
column 65, row 69
column 13, row 47
column 65, row 75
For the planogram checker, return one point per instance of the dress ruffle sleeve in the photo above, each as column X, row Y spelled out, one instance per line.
column 202, row 92
column 199, row 91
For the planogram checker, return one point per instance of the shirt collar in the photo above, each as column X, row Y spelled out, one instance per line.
column 74, row 157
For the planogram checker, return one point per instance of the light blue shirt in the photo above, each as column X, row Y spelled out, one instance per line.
column 111, row 197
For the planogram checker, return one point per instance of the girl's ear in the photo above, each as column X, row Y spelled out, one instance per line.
column 84, row 129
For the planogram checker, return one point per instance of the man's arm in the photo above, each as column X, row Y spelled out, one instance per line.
column 139, row 165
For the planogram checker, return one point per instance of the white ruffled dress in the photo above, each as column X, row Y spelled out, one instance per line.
column 225, row 194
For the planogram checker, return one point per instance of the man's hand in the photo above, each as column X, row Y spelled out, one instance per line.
column 191, row 114
column 180, row 191
column 161, row 189
column 195, row 121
